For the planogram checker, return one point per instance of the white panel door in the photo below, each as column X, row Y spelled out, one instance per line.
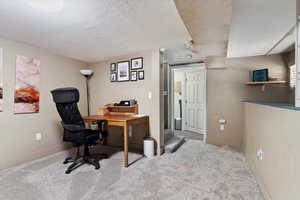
column 195, row 101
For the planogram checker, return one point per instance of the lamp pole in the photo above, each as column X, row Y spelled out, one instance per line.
column 87, row 74
column 88, row 93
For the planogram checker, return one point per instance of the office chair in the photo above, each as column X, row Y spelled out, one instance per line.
column 66, row 100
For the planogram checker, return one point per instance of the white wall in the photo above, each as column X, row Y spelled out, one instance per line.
column 17, row 132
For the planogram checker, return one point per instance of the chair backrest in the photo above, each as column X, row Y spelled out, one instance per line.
column 66, row 100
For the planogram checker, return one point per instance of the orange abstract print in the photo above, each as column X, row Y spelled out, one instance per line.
column 27, row 93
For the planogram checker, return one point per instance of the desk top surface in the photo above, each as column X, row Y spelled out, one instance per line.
column 114, row 117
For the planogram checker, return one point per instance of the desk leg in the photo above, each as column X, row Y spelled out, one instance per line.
column 147, row 127
column 125, row 145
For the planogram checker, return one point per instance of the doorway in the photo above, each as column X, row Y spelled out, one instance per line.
column 188, row 101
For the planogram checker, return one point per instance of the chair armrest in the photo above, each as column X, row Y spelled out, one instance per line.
column 73, row 127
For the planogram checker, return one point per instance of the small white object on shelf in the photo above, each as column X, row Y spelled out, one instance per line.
column 139, row 115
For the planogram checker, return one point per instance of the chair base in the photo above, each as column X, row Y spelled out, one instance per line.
column 79, row 160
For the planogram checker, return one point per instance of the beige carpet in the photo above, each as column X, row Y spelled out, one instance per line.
column 189, row 135
column 195, row 171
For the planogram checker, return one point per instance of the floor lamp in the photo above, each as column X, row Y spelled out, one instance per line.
column 87, row 73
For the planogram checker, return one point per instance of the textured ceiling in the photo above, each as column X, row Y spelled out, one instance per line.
column 257, row 25
column 208, row 22
column 93, row 30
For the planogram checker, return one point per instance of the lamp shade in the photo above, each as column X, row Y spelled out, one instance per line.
column 86, row 72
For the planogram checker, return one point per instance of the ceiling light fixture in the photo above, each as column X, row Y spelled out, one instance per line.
column 47, row 5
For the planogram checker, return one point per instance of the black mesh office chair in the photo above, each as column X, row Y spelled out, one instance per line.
column 66, row 100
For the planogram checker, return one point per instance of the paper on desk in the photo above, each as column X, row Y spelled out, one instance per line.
column 140, row 115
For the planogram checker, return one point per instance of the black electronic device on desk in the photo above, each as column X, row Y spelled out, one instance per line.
column 130, row 102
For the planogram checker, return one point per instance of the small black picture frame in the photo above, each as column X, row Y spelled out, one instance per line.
column 137, row 63
column 133, row 76
column 113, row 77
column 113, row 67
column 141, row 75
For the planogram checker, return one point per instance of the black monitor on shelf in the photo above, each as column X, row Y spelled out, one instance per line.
column 260, row 75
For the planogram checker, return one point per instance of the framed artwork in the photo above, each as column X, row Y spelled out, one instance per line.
column 137, row 63
column 113, row 67
column 123, row 71
column 113, row 77
column 133, row 76
column 141, row 75
column 1, row 80
column 27, row 92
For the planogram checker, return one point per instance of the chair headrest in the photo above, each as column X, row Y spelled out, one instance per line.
column 65, row 95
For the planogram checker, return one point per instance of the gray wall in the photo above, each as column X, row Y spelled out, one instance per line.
column 103, row 92
column 276, row 132
column 17, row 134
column 226, row 91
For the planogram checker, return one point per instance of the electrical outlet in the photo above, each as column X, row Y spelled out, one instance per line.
column 260, row 154
column 149, row 95
column 222, row 123
column 38, row 136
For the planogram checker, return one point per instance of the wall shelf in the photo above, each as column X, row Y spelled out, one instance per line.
column 265, row 82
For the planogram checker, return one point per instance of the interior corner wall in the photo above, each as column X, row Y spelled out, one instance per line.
column 226, row 91
column 290, row 60
column 103, row 91
column 17, row 131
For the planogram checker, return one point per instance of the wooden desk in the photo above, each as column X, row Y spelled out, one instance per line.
column 121, row 121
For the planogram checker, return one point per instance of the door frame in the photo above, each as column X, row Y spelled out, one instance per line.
column 192, row 67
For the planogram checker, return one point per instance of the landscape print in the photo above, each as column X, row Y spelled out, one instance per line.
column 1, row 80
column 27, row 95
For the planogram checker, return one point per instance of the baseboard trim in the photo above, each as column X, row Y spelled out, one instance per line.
column 37, row 155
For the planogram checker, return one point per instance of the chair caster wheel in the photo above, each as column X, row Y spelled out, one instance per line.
column 98, row 167
column 68, row 172
column 65, row 162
